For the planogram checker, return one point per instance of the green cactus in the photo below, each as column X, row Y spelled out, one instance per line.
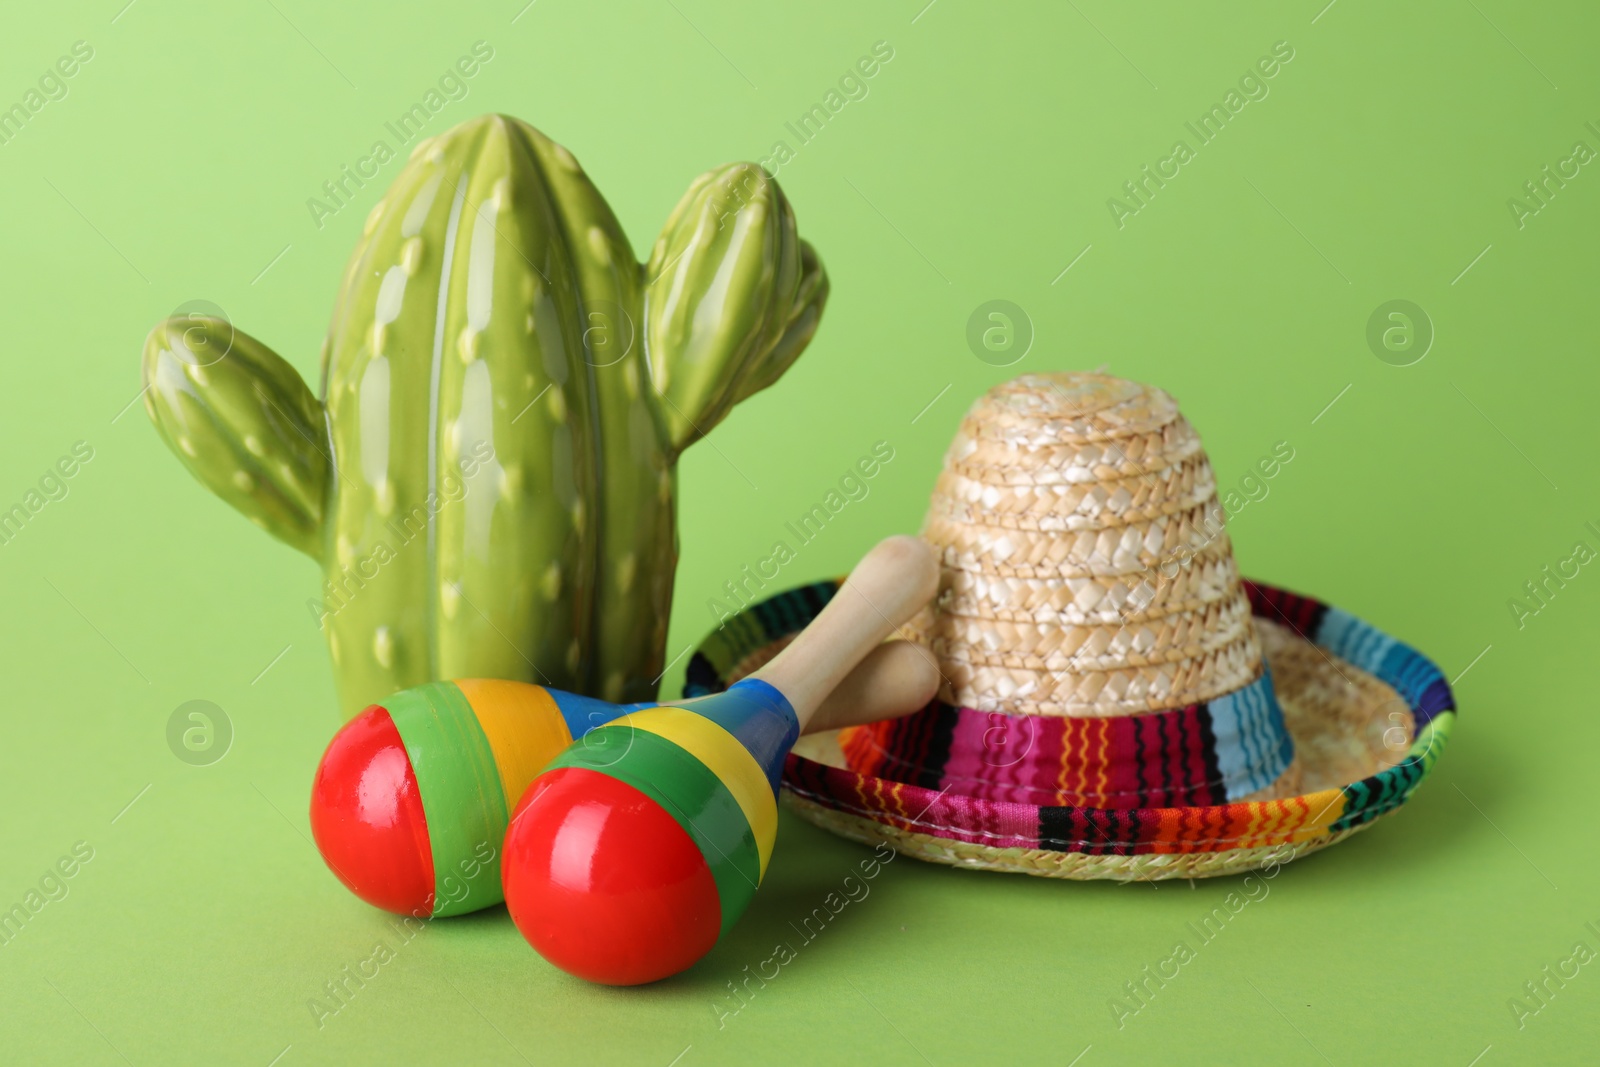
column 489, row 481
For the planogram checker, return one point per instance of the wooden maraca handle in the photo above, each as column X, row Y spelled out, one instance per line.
column 890, row 584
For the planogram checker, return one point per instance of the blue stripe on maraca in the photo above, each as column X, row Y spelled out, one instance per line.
column 762, row 720
column 586, row 713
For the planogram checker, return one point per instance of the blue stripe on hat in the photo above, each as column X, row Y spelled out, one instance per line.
column 1253, row 745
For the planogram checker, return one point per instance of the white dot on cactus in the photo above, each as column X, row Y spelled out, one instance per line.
column 372, row 218
column 197, row 374
column 252, row 445
column 501, row 197
column 613, row 687
column 243, row 480
column 626, row 567
column 480, row 258
column 383, row 496
column 345, row 550
column 391, row 295
column 467, row 344
column 187, row 446
column 416, row 215
column 565, row 158
column 511, row 481
column 527, row 323
column 578, row 516
column 599, row 245
column 557, row 404
column 574, row 655
column 550, row 584
column 450, row 598
column 411, row 255
column 383, row 647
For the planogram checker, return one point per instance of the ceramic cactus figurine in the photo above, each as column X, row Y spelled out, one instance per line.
column 489, row 480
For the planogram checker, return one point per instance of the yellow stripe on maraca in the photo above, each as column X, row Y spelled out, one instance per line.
column 726, row 758
column 524, row 726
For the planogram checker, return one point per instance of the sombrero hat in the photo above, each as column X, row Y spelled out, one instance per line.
column 1117, row 702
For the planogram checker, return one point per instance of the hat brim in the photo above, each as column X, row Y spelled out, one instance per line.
column 1369, row 717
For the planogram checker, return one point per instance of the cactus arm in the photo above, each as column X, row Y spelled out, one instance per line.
column 635, row 533
column 805, row 314
column 243, row 422
column 731, row 298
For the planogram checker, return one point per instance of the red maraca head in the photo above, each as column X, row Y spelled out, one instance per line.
column 412, row 798
column 604, row 883
column 367, row 817
column 642, row 843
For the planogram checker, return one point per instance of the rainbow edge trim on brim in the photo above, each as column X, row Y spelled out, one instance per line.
column 1132, row 831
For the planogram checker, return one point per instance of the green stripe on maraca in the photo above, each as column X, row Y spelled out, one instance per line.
column 462, row 796
column 725, row 756
column 688, row 791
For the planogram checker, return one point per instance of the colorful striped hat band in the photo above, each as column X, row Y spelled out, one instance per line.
column 1116, row 701
column 1357, row 769
column 1207, row 753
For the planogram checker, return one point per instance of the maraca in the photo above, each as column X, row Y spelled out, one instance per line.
column 411, row 800
column 641, row 845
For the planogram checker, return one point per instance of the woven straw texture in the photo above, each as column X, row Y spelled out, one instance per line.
column 1086, row 571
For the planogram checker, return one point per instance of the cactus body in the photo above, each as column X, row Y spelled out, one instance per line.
column 489, row 480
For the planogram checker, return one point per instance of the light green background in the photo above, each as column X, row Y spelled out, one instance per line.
column 978, row 167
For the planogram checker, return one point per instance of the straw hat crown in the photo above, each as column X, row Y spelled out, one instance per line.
column 1086, row 568
column 1118, row 702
